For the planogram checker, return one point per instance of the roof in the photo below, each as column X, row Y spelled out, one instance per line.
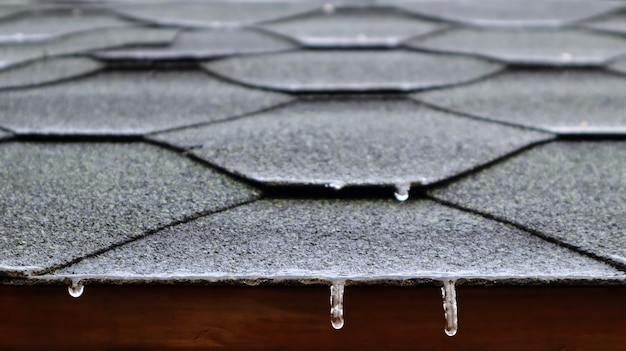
column 303, row 142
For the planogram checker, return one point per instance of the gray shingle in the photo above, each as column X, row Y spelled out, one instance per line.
column 83, row 42
column 511, row 13
column 204, row 44
column 351, row 70
column 559, row 48
column 558, row 101
column 570, row 191
column 215, row 14
column 342, row 239
column 47, row 71
column 370, row 27
column 347, row 141
column 619, row 66
column 129, row 102
column 613, row 24
column 49, row 24
column 63, row 201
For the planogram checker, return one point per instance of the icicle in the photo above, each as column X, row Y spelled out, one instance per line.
column 336, row 305
column 76, row 289
column 402, row 191
column 450, row 308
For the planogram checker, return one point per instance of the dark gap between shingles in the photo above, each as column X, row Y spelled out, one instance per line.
column 149, row 64
column 146, row 234
column 78, row 138
column 619, row 266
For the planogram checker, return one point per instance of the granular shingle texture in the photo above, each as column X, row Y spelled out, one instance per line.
column 351, row 70
column 561, row 101
column 63, row 201
column 192, row 141
column 84, row 42
column 351, row 142
column 216, row 14
column 342, row 239
column 369, row 27
column 47, row 71
column 570, row 191
column 123, row 103
column 204, row 44
column 45, row 25
column 511, row 13
column 560, row 48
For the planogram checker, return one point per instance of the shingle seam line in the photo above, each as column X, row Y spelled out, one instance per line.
column 619, row 266
column 188, row 153
column 229, row 119
column 146, row 234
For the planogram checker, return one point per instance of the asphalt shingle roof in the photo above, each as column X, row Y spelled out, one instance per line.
column 353, row 28
column 203, row 45
column 351, row 70
column 210, row 141
column 47, row 71
column 63, row 201
column 122, row 103
column 559, row 101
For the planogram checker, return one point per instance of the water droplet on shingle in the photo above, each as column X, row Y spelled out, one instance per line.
column 450, row 308
column 328, row 8
column 76, row 289
column 335, row 185
column 336, row 305
column 402, row 191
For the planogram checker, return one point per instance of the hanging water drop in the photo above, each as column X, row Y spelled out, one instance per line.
column 402, row 191
column 328, row 9
column 336, row 305
column 450, row 308
column 76, row 289
column 335, row 185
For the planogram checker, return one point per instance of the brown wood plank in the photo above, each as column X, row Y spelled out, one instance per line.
column 297, row 318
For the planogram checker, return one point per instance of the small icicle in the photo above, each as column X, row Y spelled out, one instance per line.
column 402, row 191
column 450, row 308
column 76, row 289
column 336, row 305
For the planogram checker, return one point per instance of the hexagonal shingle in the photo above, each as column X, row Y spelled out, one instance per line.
column 351, row 142
column 364, row 240
column 559, row 48
column 511, row 13
column 563, row 101
column 204, row 44
column 371, row 27
column 123, row 103
column 570, row 191
column 47, row 71
column 49, row 24
column 351, row 70
column 63, row 201
column 15, row 54
column 216, row 14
